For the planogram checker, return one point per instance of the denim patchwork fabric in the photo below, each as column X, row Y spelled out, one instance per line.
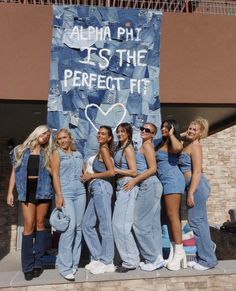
column 103, row 56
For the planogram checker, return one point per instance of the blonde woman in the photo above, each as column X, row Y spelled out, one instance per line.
column 198, row 191
column 31, row 176
column 67, row 166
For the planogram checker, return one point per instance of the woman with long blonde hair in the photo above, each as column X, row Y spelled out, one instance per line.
column 31, row 176
column 198, row 191
column 67, row 167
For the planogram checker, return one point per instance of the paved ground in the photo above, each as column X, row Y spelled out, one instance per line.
column 10, row 274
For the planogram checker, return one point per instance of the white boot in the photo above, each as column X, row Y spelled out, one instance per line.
column 171, row 253
column 179, row 259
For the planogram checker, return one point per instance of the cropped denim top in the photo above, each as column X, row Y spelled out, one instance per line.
column 120, row 161
column 98, row 166
column 140, row 162
column 185, row 162
column 44, row 185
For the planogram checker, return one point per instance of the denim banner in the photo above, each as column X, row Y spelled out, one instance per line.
column 104, row 70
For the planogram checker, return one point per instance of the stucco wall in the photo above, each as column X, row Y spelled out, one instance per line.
column 194, row 49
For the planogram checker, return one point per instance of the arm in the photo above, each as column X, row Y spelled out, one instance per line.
column 131, row 161
column 106, row 157
column 149, row 154
column 176, row 145
column 55, row 166
column 12, row 182
column 196, row 155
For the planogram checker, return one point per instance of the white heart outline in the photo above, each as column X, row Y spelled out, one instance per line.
column 105, row 113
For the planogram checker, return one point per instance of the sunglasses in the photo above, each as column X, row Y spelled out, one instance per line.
column 147, row 130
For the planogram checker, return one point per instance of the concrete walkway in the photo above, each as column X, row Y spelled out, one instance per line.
column 11, row 276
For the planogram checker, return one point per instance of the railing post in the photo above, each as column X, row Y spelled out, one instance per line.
column 187, row 5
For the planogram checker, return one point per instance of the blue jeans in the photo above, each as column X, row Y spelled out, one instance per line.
column 99, row 207
column 123, row 218
column 198, row 221
column 147, row 224
column 69, row 249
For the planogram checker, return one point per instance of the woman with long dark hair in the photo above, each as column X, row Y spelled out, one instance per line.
column 99, row 206
column 123, row 216
column 173, row 187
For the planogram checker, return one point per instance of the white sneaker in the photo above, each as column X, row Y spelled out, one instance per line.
column 141, row 264
column 191, row 264
column 70, row 277
column 103, row 268
column 92, row 265
column 199, row 267
column 74, row 271
column 149, row 267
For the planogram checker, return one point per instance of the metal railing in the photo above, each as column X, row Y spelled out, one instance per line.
column 184, row 6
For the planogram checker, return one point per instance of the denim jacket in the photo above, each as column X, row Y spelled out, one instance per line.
column 44, row 186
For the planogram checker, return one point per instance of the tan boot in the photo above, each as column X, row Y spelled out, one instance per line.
column 179, row 259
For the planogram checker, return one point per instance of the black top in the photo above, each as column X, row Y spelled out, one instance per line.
column 33, row 165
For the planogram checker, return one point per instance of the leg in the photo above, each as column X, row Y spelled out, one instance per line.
column 79, row 207
column 102, row 202
column 27, row 255
column 89, row 230
column 64, row 257
column 147, row 210
column 123, row 218
column 172, row 203
column 198, row 221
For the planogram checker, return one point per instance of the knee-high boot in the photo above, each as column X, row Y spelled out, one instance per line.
column 27, row 255
column 39, row 248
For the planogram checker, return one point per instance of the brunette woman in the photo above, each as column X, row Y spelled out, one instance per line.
column 99, row 206
column 123, row 216
column 173, row 187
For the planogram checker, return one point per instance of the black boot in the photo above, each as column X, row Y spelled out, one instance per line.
column 27, row 256
column 39, row 248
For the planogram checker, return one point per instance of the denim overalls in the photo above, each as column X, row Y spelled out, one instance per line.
column 44, row 185
column 99, row 207
column 73, row 191
column 197, row 215
column 123, row 217
column 147, row 224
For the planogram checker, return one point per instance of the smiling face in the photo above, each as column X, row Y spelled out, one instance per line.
column 193, row 132
column 64, row 140
column 103, row 136
column 147, row 131
column 122, row 134
column 44, row 138
column 165, row 129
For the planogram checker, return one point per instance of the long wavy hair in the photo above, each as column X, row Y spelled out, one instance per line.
column 31, row 142
column 129, row 130
column 68, row 132
column 204, row 126
column 111, row 146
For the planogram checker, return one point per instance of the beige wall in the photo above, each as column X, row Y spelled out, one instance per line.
column 194, row 49
column 219, row 151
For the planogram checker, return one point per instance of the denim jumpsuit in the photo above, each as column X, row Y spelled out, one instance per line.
column 169, row 173
column 73, row 191
column 99, row 207
column 147, row 221
column 197, row 215
column 123, row 217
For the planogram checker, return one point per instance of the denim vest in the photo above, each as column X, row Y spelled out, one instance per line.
column 44, row 186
